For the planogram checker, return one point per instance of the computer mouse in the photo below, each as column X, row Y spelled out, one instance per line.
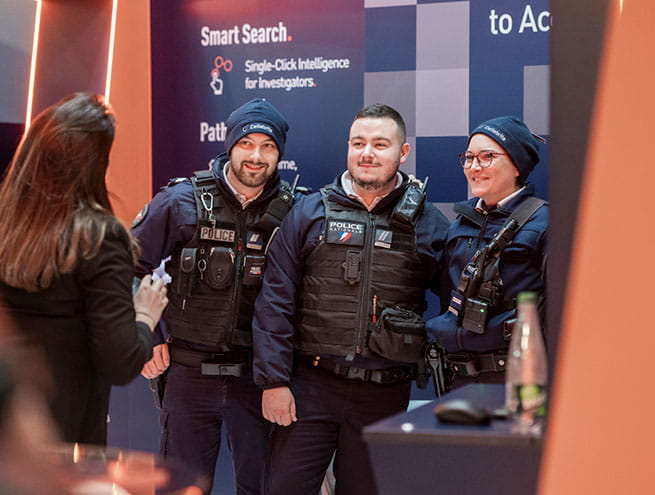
column 462, row 412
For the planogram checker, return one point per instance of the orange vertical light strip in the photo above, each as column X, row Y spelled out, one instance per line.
column 35, row 48
column 110, row 56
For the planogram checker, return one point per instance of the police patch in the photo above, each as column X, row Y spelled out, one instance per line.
column 345, row 232
column 219, row 235
column 383, row 238
column 140, row 216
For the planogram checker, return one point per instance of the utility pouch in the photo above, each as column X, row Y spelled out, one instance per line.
column 187, row 265
column 352, row 267
column 188, row 259
column 220, row 268
column 253, row 270
column 399, row 335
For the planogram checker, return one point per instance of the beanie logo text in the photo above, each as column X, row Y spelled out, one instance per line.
column 257, row 127
column 495, row 132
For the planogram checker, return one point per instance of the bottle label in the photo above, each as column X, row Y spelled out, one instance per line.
column 531, row 399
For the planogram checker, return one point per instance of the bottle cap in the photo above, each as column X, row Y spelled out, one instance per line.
column 526, row 297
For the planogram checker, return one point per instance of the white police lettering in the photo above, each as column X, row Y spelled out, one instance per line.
column 495, row 132
column 220, row 235
column 530, row 22
column 246, row 34
column 355, row 228
column 212, row 133
column 257, row 126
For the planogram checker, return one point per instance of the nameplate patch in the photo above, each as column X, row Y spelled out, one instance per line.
column 383, row 238
column 255, row 241
column 345, row 232
column 219, row 235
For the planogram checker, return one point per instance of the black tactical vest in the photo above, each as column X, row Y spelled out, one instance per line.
column 364, row 263
column 218, row 273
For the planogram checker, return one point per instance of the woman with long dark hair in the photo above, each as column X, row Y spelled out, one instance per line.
column 66, row 265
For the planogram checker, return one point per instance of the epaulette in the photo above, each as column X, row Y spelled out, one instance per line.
column 176, row 180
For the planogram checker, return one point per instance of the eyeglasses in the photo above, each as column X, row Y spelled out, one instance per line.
column 485, row 158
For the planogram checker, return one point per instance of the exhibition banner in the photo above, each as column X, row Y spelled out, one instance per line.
column 446, row 66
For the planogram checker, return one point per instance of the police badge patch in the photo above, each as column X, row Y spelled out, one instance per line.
column 140, row 216
column 345, row 232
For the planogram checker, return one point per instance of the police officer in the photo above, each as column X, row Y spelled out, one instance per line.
column 337, row 328
column 486, row 278
column 215, row 227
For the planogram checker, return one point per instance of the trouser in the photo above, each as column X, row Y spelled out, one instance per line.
column 331, row 412
column 195, row 406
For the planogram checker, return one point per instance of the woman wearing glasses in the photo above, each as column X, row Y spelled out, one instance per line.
column 485, row 278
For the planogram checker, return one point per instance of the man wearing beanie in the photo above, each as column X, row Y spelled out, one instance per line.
column 215, row 227
column 475, row 329
column 337, row 328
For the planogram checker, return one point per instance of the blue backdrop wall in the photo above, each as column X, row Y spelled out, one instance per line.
column 446, row 66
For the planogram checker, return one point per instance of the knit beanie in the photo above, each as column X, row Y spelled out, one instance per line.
column 516, row 139
column 257, row 115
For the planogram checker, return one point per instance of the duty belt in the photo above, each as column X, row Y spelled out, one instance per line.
column 210, row 363
column 471, row 364
column 381, row 376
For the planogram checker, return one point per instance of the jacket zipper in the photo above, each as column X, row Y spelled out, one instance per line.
column 238, row 274
column 365, row 292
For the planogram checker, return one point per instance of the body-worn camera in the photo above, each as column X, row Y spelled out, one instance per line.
column 476, row 311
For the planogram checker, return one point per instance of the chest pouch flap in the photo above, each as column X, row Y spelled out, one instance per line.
column 220, row 268
column 399, row 335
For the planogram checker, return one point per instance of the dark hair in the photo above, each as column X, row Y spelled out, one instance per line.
column 382, row 111
column 54, row 206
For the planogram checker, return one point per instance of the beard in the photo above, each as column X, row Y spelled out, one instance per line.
column 372, row 185
column 252, row 178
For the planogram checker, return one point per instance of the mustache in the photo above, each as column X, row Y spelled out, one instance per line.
column 250, row 162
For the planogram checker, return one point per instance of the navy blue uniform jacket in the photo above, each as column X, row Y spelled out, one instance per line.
column 275, row 309
column 522, row 267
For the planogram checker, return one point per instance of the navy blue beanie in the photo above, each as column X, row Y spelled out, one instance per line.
column 257, row 115
column 516, row 139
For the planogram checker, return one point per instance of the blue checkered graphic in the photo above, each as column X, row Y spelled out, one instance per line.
column 440, row 65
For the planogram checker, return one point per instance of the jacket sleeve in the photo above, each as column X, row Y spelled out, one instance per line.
column 170, row 218
column 119, row 346
column 275, row 308
column 431, row 231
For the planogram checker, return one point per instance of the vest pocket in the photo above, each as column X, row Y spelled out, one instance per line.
column 220, row 268
column 399, row 335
